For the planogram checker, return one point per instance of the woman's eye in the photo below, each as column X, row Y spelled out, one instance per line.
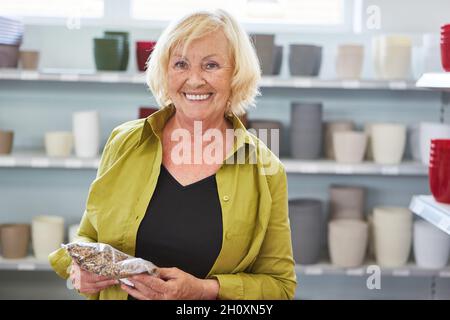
column 211, row 65
column 181, row 65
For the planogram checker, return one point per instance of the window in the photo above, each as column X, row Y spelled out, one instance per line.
column 52, row 8
column 299, row 12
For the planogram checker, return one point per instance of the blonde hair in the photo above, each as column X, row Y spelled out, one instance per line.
column 246, row 73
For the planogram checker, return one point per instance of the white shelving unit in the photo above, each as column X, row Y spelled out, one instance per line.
column 26, row 264
column 409, row 270
column 139, row 78
column 38, row 159
column 437, row 81
column 365, row 168
column 434, row 212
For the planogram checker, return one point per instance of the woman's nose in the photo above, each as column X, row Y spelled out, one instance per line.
column 195, row 78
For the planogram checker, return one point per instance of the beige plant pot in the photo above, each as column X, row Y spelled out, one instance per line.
column 6, row 141
column 349, row 61
column 29, row 60
column 347, row 242
column 47, row 235
column 349, row 146
column 14, row 240
column 58, row 144
column 388, row 143
column 329, row 128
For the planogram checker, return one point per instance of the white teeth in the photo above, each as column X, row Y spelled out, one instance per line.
column 197, row 97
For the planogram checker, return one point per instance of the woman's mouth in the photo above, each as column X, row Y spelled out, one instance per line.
column 197, row 97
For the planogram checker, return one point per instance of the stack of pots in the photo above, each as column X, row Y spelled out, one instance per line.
column 305, row 60
column 439, row 170
column 348, row 232
column 392, row 56
column 445, row 47
column 11, row 35
column 270, row 56
column 427, row 132
column 305, row 216
column 349, row 61
column 269, row 132
column 306, row 130
column 112, row 51
column 392, row 232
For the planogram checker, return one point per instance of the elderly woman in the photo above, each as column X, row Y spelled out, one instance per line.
column 207, row 207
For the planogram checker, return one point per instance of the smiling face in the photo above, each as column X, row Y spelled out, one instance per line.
column 199, row 83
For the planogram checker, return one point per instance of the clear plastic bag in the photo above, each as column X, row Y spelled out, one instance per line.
column 104, row 260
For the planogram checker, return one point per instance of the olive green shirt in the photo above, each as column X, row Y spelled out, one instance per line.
column 255, row 261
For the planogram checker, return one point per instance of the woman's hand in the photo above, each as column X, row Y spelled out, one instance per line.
column 88, row 282
column 172, row 284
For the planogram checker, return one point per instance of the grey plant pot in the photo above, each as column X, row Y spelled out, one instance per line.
column 305, row 60
column 265, row 49
column 305, row 217
column 277, row 60
column 306, row 130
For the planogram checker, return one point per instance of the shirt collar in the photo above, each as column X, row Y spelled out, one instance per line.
column 154, row 124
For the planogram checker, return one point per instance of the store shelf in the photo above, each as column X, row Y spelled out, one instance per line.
column 38, row 159
column 365, row 168
column 139, row 78
column 432, row 211
column 409, row 270
column 26, row 264
column 438, row 81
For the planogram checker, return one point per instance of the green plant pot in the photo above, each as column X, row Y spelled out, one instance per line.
column 124, row 38
column 108, row 54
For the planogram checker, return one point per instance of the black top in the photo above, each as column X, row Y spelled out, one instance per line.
column 182, row 226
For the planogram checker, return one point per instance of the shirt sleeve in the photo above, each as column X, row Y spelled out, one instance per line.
column 272, row 276
column 60, row 260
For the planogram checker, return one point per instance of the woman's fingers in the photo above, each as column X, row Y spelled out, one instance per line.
column 133, row 292
column 151, row 282
column 105, row 283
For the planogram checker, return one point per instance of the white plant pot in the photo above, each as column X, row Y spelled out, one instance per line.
column 431, row 245
column 392, row 231
column 58, row 144
column 388, row 143
column 47, row 235
column 347, row 242
column 349, row 61
column 429, row 131
column 392, row 57
column 86, row 130
column 349, row 146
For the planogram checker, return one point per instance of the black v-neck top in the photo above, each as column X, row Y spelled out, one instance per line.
column 182, row 226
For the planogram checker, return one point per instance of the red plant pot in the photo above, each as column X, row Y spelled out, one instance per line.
column 144, row 112
column 445, row 56
column 439, row 170
column 143, row 51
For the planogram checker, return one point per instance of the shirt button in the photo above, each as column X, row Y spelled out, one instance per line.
column 226, row 198
column 228, row 236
